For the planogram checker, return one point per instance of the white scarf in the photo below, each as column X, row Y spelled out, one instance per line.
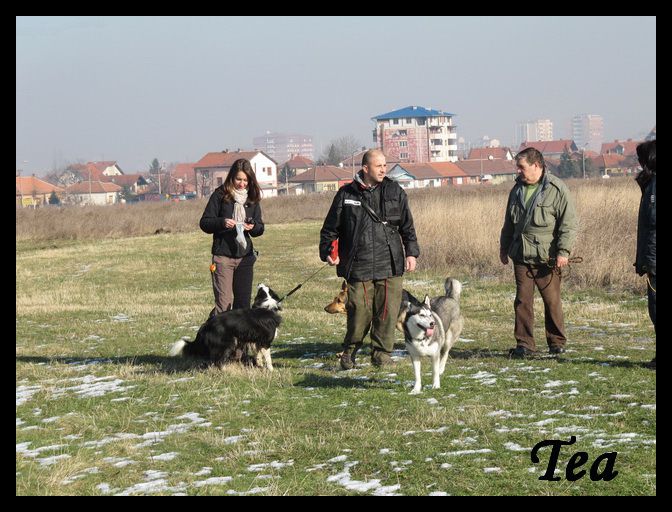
column 239, row 200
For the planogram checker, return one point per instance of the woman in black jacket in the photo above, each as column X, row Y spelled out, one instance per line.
column 645, row 262
column 232, row 216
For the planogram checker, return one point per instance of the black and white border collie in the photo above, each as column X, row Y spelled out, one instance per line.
column 225, row 336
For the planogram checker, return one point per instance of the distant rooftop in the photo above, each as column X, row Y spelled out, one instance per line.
column 412, row 111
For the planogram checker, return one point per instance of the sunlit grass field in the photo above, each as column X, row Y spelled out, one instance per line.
column 102, row 410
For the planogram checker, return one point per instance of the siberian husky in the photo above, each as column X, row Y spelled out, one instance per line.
column 431, row 328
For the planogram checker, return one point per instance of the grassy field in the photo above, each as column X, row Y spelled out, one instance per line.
column 101, row 409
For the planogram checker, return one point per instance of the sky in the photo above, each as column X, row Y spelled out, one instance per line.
column 132, row 89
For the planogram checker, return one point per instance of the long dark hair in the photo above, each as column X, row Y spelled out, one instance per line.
column 253, row 190
column 646, row 154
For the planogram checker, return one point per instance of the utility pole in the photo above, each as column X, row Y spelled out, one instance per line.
column 18, row 175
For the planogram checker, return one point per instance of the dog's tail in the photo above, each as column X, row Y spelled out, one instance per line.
column 453, row 288
column 178, row 348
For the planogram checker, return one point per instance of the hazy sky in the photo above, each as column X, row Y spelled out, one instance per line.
column 132, row 89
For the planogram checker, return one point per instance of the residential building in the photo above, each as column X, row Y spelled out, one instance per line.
column 435, row 174
column 651, row 135
column 33, row 192
column 93, row 193
column 491, row 171
column 416, row 135
column 551, row 148
column 212, row 169
column 486, row 154
column 323, row 178
column 282, row 146
column 620, row 147
column 536, row 130
column 588, row 131
column 136, row 183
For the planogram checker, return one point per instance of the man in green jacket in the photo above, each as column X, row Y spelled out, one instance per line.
column 538, row 234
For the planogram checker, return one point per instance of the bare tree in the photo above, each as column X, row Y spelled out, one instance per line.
column 340, row 149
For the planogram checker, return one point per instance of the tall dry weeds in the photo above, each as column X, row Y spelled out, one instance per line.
column 458, row 228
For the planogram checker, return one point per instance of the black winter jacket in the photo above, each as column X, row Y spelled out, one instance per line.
column 369, row 250
column 223, row 239
column 646, row 229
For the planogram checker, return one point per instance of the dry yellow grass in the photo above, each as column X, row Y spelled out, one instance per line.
column 458, row 228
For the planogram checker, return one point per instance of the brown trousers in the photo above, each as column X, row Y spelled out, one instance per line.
column 547, row 280
column 232, row 282
column 374, row 305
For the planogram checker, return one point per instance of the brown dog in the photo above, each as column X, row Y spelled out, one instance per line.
column 338, row 304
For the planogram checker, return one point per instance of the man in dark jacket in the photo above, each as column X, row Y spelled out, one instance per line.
column 371, row 219
column 645, row 262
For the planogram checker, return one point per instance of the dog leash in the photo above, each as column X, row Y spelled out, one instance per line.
column 333, row 253
column 300, row 285
column 552, row 264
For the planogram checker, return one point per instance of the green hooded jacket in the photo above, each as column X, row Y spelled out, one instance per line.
column 543, row 230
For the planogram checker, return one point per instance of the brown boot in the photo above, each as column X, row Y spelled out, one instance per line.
column 348, row 357
column 380, row 358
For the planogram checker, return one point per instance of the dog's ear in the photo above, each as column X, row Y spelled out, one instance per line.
column 427, row 301
column 344, row 286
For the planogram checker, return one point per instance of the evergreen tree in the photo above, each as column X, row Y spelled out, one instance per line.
column 568, row 168
column 155, row 167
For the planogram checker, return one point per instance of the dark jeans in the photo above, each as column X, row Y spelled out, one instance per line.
column 232, row 282
column 651, row 292
column 547, row 282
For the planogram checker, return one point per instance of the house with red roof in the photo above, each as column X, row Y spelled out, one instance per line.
column 620, row 147
column 93, row 193
column 33, row 192
column 322, row 178
column 211, row 171
column 551, row 148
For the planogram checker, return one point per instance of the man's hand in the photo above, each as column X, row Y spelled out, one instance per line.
column 333, row 262
column 411, row 262
column 503, row 257
column 561, row 261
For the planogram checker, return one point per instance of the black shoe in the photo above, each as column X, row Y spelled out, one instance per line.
column 556, row 350
column 521, row 353
column 651, row 364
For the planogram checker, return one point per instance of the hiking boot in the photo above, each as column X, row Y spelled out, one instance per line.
column 521, row 353
column 651, row 364
column 380, row 358
column 348, row 357
column 556, row 350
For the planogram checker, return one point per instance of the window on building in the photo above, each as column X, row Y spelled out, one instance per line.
column 269, row 171
column 403, row 143
column 403, row 132
column 408, row 120
column 403, row 155
column 421, row 122
column 219, row 182
column 395, row 121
